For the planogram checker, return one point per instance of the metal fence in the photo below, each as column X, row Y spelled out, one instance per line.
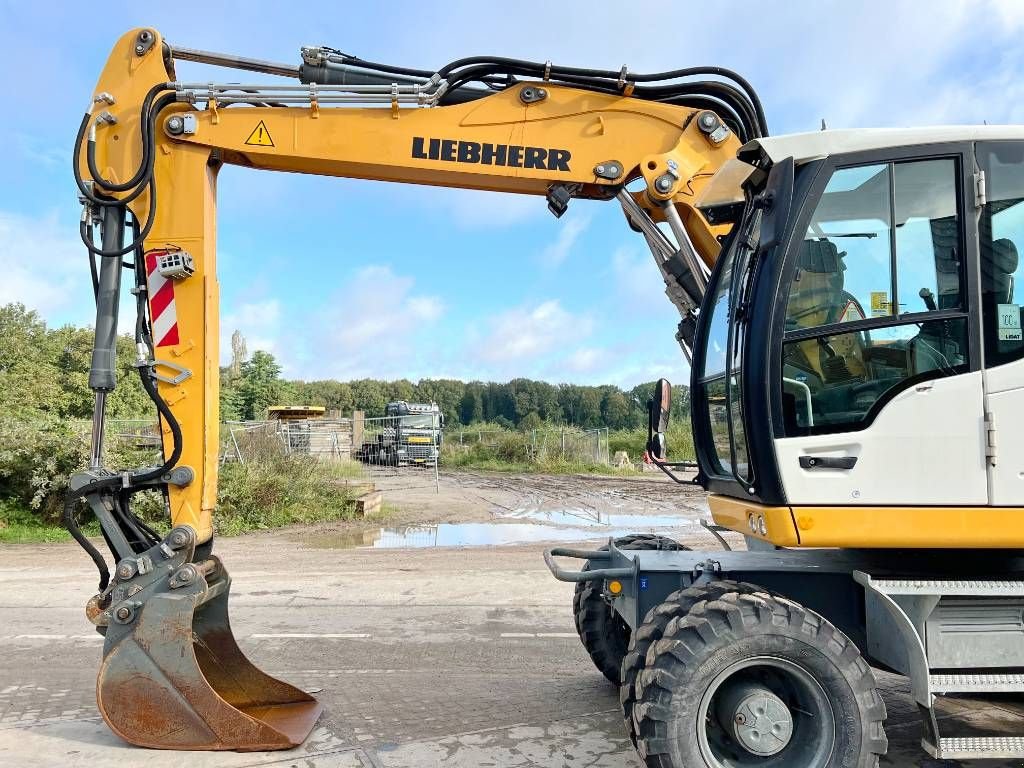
column 316, row 438
column 578, row 445
column 566, row 443
column 376, row 448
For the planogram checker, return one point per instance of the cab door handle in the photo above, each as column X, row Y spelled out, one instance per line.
column 828, row 462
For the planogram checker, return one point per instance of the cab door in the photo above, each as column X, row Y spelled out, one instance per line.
column 881, row 394
column 1001, row 240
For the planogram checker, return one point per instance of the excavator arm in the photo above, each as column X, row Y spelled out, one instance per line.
column 146, row 163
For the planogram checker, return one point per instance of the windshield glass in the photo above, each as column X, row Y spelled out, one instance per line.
column 419, row 421
column 722, row 392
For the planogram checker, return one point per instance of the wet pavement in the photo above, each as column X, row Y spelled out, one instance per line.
column 428, row 645
column 427, row 657
column 538, row 525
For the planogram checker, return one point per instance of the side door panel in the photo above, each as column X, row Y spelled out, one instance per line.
column 882, row 397
column 925, row 447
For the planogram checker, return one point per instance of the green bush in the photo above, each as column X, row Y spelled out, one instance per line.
column 513, row 447
column 634, row 441
column 272, row 489
column 37, row 455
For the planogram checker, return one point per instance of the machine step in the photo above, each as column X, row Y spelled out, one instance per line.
column 976, row 683
column 976, row 748
column 978, row 588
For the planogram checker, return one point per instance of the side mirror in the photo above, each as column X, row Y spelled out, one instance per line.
column 659, row 408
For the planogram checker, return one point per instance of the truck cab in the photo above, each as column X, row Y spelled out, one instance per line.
column 414, row 432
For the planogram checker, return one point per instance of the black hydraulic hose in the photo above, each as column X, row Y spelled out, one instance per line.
column 68, row 518
column 94, row 273
column 147, row 181
column 740, row 108
column 389, row 68
column 580, row 75
column 721, row 90
column 142, row 336
column 147, row 147
column 150, row 218
column 148, row 383
column 539, row 69
column 126, row 521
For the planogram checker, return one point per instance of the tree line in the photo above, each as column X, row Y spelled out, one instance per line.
column 45, row 371
column 250, row 387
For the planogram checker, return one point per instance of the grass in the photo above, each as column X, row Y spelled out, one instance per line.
column 510, row 451
column 19, row 525
column 273, row 489
column 270, row 490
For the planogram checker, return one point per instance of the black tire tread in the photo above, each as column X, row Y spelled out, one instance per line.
column 606, row 646
column 710, row 625
column 675, row 606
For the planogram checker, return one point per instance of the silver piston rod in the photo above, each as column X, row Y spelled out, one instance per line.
column 103, row 369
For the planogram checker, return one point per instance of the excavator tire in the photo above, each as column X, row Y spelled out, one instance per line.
column 756, row 679
column 676, row 606
column 602, row 631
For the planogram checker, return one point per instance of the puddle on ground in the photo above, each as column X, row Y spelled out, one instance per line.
column 583, row 517
column 545, row 525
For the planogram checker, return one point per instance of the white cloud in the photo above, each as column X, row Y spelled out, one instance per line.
column 471, row 209
column 258, row 321
column 373, row 326
column 586, row 359
column 570, row 231
column 41, row 269
column 526, row 333
column 44, row 266
column 425, row 307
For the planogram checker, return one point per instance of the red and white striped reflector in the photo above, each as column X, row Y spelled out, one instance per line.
column 161, row 303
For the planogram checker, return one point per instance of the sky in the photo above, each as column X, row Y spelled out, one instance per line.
column 345, row 279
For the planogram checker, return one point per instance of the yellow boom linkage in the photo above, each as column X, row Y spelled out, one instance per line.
column 172, row 674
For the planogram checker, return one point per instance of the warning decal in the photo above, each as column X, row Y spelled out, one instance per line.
column 162, row 312
column 1009, row 322
column 260, row 136
column 850, row 313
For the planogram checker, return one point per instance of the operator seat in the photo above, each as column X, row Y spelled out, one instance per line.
column 818, row 297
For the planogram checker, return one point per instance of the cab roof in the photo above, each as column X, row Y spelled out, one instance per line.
column 817, row 144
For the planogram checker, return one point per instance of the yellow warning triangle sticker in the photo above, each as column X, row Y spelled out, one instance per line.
column 260, row 136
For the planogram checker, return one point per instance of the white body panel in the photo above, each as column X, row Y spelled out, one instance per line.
column 1004, row 386
column 815, row 144
column 926, row 447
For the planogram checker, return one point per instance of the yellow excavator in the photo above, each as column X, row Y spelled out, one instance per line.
column 849, row 308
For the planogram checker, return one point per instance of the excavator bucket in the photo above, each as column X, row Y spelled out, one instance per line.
column 173, row 676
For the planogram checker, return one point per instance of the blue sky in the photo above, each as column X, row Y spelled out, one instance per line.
column 474, row 285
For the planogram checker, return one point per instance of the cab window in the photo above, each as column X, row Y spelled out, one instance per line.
column 1001, row 237
column 876, row 300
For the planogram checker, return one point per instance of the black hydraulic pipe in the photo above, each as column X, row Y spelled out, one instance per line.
column 103, row 372
column 345, row 74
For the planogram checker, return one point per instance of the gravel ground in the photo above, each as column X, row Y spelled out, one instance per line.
column 433, row 656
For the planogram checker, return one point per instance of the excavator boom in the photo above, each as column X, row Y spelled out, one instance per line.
column 146, row 163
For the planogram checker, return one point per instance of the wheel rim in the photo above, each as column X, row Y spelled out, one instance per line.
column 765, row 712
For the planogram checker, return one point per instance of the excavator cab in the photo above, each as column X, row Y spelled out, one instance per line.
column 811, row 346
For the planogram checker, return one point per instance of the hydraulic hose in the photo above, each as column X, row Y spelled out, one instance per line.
column 143, row 176
column 68, row 518
column 147, row 149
